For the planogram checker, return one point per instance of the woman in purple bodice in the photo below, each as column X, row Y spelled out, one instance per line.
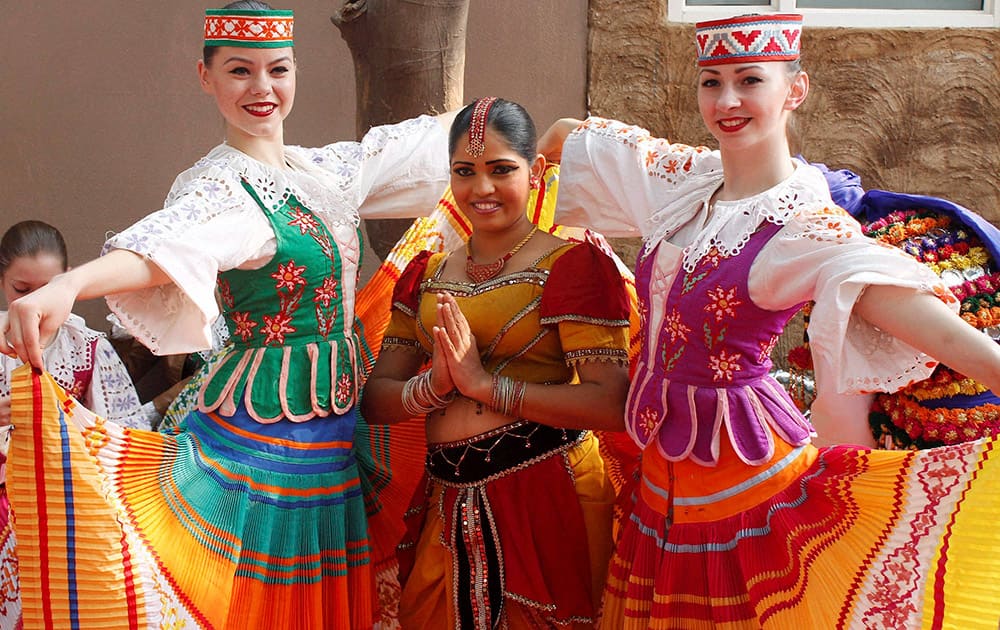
column 739, row 520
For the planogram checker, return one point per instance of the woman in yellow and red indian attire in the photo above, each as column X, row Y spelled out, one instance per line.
column 524, row 337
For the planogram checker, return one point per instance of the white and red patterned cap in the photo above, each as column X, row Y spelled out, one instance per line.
column 749, row 38
column 248, row 29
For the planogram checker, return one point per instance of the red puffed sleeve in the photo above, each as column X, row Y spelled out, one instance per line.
column 402, row 329
column 585, row 285
column 585, row 298
column 406, row 293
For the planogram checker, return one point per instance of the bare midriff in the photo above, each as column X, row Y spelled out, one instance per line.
column 462, row 419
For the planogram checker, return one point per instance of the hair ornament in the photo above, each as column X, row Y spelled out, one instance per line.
column 477, row 126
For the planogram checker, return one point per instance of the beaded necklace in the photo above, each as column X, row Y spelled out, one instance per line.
column 486, row 271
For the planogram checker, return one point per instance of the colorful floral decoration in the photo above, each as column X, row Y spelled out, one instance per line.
column 948, row 407
column 800, row 368
column 942, row 409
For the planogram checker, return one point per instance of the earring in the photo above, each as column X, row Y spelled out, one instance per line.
column 534, row 181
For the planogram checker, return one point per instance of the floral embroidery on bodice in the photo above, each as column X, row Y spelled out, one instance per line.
column 292, row 353
column 705, row 359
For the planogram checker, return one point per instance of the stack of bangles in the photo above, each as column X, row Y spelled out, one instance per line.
column 419, row 397
column 507, row 396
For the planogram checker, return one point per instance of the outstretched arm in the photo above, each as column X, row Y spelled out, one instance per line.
column 926, row 323
column 551, row 142
column 38, row 315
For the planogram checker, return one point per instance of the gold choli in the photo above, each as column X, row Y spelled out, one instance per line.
column 505, row 316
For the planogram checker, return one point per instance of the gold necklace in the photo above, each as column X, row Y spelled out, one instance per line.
column 483, row 272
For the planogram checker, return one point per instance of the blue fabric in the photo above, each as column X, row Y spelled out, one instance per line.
column 845, row 187
column 877, row 203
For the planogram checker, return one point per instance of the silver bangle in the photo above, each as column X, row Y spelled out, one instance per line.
column 419, row 398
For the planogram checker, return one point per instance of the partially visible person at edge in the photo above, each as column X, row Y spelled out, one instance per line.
column 739, row 521
column 251, row 515
column 525, row 340
column 80, row 359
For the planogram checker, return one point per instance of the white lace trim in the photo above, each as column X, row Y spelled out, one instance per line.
column 212, row 186
column 319, row 190
column 730, row 226
column 874, row 344
column 70, row 351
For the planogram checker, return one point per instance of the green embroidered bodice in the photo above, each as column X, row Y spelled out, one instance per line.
column 291, row 354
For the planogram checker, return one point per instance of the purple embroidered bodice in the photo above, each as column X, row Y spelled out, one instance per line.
column 705, row 359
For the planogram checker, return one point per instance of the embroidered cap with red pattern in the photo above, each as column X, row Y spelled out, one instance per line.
column 248, row 29
column 749, row 38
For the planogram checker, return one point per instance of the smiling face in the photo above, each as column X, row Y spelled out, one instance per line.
column 492, row 189
column 24, row 274
column 254, row 89
column 746, row 106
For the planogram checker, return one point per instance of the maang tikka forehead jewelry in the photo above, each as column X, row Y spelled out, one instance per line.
column 477, row 126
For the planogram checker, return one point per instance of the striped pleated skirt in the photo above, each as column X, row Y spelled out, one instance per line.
column 227, row 523
column 839, row 537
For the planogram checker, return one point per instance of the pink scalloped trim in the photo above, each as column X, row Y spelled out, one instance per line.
column 248, row 393
column 226, row 403
column 721, row 417
column 763, row 420
column 203, row 405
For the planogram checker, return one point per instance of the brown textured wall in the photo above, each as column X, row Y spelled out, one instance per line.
column 911, row 111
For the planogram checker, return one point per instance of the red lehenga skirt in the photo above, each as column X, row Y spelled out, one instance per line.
column 513, row 529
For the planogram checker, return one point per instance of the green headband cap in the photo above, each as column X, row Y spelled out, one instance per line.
column 248, row 29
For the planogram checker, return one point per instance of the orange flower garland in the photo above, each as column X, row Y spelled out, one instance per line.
column 926, row 426
column 945, row 383
column 896, row 227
